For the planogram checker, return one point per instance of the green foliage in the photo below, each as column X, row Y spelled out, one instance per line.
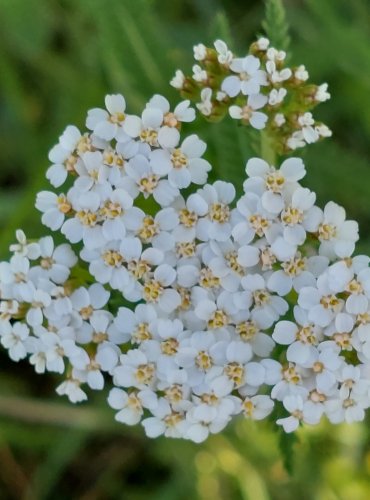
column 60, row 57
column 276, row 25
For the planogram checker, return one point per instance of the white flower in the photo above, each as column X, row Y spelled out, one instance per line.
column 205, row 106
column 224, row 55
column 263, row 43
column 199, row 74
column 14, row 338
column 322, row 93
column 38, row 299
column 301, row 341
column 215, row 199
column 306, row 122
column 71, row 389
column 296, row 140
column 200, row 52
column 54, row 208
column 257, row 407
column 337, row 235
column 301, row 411
column 134, row 370
column 320, row 303
column 276, row 96
column 141, row 179
column 272, row 184
column 84, row 225
column 248, row 81
column 131, row 406
column 323, row 130
column 254, row 219
column 89, row 369
column 301, row 73
column 297, row 273
column 31, row 250
column 155, row 128
column 87, row 300
column 249, row 331
column 158, row 289
column 273, row 74
column 106, row 124
column 248, row 113
column 64, row 155
column 182, row 112
column 279, row 120
column 183, row 165
column 178, row 80
column 203, row 420
column 55, row 263
column 267, row 308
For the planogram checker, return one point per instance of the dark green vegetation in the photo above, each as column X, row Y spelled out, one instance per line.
column 57, row 59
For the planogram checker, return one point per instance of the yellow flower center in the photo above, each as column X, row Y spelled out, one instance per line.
column 112, row 258
column 207, row 279
column 148, row 229
column 354, row 287
column 292, row 216
column 87, row 218
column 178, row 159
column 148, row 184
column 235, row 372
column 330, row 302
column 111, row 210
column 261, row 297
column 117, row 118
column 294, row 266
column 169, row 346
column 204, row 361
column 306, row 335
column 275, row 182
column 290, row 375
column 232, row 260
column 174, row 393
column 219, row 319
column 188, row 218
column 47, row 263
column 259, row 224
column 327, row 232
column 86, row 312
column 186, row 249
column 246, row 330
column 149, row 136
column 138, row 268
column 219, row 212
column 141, row 333
column 63, row 204
column 343, row 340
column 144, row 373
column 152, row 291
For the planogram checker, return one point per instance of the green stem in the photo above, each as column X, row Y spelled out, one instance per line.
column 267, row 151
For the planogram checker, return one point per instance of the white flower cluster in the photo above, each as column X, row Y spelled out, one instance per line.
column 239, row 308
column 257, row 89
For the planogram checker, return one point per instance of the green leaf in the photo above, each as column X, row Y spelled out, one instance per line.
column 276, row 25
column 286, row 445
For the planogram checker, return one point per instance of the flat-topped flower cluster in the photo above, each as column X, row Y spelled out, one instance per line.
column 193, row 308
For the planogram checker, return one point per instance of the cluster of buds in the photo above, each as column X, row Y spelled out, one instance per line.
column 258, row 90
column 193, row 306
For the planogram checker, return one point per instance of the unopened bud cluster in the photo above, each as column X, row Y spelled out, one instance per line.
column 259, row 90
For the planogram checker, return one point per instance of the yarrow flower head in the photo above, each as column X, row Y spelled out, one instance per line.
column 191, row 304
column 258, row 90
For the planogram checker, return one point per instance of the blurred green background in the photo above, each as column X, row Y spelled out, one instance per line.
column 57, row 59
